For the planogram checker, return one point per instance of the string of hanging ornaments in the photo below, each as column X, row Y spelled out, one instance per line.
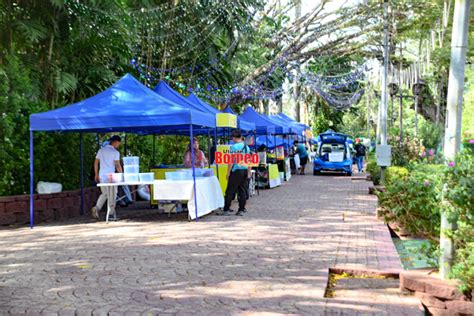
column 340, row 92
column 330, row 88
column 199, row 73
column 189, row 40
column 192, row 68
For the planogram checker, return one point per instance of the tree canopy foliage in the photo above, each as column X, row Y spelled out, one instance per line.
column 56, row 52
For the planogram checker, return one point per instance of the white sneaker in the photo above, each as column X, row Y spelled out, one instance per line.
column 95, row 213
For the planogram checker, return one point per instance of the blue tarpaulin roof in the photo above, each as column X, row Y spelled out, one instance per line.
column 128, row 106
column 283, row 128
column 263, row 124
column 201, row 104
column 296, row 128
column 163, row 89
column 242, row 124
column 289, row 119
column 227, row 109
column 262, row 140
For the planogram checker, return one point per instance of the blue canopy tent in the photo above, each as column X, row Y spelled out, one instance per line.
column 297, row 131
column 227, row 109
column 164, row 90
column 242, row 124
column 296, row 128
column 280, row 128
column 263, row 125
column 127, row 106
column 285, row 118
column 272, row 143
column 289, row 119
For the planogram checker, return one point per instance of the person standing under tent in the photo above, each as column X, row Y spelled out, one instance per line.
column 200, row 160
column 237, row 176
column 107, row 161
column 303, row 154
column 360, row 151
column 126, row 199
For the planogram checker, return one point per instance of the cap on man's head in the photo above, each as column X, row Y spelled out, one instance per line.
column 236, row 133
column 115, row 138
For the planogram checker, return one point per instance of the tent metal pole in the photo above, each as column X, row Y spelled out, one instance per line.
column 194, row 170
column 32, row 181
column 256, row 171
column 215, row 142
column 255, row 140
column 125, row 145
column 208, row 147
column 81, row 158
column 153, row 157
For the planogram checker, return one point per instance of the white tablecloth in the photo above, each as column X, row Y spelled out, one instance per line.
column 208, row 192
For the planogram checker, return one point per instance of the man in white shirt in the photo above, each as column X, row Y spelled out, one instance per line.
column 107, row 161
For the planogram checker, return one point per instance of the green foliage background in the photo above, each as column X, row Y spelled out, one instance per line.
column 53, row 53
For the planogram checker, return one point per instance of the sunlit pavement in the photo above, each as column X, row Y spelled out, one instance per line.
column 273, row 260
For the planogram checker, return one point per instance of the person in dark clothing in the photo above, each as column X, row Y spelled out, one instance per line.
column 237, row 176
column 359, row 155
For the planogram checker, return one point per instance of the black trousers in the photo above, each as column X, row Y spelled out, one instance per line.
column 237, row 183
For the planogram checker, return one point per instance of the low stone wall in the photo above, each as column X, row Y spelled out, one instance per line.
column 15, row 210
column 438, row 297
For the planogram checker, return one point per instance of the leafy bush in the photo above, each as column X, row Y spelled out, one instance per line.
column 374, row 171
column 431, row 134
column 413, row 200
column 395, row 173
column 410, row 150
column 459, row 177
column 463, row 268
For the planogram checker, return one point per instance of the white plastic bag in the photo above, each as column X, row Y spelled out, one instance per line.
column 297, row 161
column 48, row 187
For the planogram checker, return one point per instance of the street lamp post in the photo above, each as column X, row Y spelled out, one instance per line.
column 383, row 105
column 400, row 118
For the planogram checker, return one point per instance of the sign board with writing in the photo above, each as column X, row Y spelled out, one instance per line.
column 384, row 155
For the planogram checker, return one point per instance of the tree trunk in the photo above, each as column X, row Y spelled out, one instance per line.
column 296, row 84
column 296, row 104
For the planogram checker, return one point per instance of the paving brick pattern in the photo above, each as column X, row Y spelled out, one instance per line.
column 274, row 260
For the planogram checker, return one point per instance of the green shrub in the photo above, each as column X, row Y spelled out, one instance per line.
column 431, row 134
column 463, row 268
column 459, row 177
column 394, row 173
column 410, row 150
column 374, row 171
column 423, row 168
column 413, row 200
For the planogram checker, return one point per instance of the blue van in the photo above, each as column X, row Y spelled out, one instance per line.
column 333, row 153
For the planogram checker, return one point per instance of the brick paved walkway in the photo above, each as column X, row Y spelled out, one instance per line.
column 273, row 260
